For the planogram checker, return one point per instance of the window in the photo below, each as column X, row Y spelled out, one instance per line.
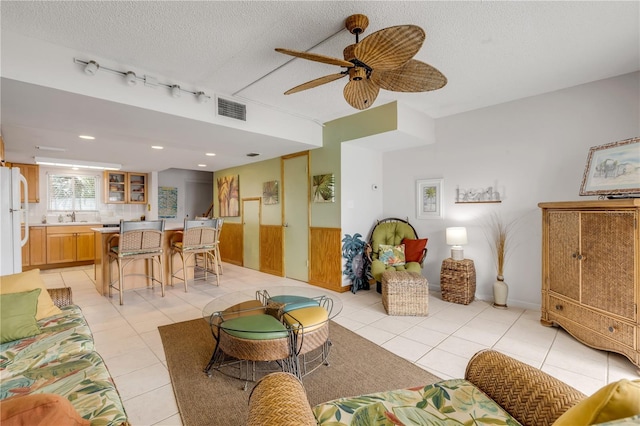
column 72, row 192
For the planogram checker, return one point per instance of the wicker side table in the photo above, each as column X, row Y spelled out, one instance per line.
column 458, row 281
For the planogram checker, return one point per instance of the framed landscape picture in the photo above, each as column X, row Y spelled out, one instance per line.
column 613, row 169
column 429, row 199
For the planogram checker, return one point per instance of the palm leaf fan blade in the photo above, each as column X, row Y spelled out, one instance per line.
column 315, row 83
column 361, row 94
column 315, row 57
column 414, row 76
column 391, row 47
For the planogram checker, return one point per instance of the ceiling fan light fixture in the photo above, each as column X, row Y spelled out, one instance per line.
column 357, row 73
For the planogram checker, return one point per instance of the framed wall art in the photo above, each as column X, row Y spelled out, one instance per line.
column 229, row 195
column 429, row 199
column 270, row 192
column 323, row 188
column 613, row 170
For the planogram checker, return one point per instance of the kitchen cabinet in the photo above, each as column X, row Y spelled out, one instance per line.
column 591, row 272
column 73, row 243
column 31, row 172
column 37, row 245
column 137, row 183
column 125, row 187
column 115, row 187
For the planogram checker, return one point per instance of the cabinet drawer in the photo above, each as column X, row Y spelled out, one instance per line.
column 69, row 229
column 607, row 327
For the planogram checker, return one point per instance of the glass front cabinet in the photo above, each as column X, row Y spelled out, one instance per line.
column 115, row 187
column 137, row 188
column 125, row 187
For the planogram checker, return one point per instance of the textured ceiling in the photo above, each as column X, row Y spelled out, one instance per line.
column 491, row 52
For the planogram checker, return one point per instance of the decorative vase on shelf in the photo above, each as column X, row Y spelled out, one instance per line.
column 500, row 293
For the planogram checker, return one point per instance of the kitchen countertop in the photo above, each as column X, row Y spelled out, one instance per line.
column 168, row 226
column 98, row 226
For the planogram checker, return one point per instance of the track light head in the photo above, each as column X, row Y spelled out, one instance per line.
column 91, row 68
column 130, row 78
column 202, row 98
column 175, row 91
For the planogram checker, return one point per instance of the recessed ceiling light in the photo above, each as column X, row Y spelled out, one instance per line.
column 210, row 154
column 86, row 137
column 253, row 154
column 157, row 147
column 202, row 165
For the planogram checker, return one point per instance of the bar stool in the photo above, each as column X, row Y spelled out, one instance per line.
column 199, row 237
column 136, row 240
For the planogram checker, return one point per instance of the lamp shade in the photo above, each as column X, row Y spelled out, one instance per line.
column 456, row 236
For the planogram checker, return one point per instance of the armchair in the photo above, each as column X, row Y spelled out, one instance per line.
column 392, row 233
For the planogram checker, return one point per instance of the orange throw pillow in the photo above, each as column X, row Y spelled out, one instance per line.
column 43, row 409
column 413, row 249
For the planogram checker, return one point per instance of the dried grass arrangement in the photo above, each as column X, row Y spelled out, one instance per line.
column 499, row 234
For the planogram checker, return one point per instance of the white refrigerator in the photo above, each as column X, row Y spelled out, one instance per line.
column 13, row 215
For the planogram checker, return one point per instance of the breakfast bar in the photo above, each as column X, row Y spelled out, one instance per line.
column 138, row 267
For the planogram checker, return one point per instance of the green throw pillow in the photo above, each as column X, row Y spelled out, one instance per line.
column 18, row 315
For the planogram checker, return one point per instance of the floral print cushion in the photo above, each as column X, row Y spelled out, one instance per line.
column 83, row 379
column 62, row 336
column 455, row 402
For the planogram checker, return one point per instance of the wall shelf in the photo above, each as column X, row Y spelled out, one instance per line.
column 478, row 202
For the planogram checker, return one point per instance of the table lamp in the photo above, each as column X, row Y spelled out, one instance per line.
column 456, row 237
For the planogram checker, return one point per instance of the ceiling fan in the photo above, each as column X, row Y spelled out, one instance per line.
column 381, row 60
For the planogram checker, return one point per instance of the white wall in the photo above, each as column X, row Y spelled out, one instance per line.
column 533, row 149
column 361, row 203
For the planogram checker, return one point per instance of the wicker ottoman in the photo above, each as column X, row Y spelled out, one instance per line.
column 405, row 293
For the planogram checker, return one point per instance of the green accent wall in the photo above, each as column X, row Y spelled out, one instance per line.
column 323, row 160
column 328, row 158
column 251, row 178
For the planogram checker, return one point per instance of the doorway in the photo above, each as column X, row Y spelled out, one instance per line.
column 198, row 198
column 295, row 190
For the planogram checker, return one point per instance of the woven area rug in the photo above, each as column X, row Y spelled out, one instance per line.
column 357, row 366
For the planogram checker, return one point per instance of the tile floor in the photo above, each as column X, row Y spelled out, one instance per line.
column 127, row 336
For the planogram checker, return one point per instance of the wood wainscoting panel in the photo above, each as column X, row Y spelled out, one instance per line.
column 325, row 258
column 231, row 243
column 272, row 249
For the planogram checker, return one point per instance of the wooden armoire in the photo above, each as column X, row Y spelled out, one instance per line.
column 591, row 270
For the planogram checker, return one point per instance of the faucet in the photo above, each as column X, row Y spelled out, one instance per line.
column 72, row 216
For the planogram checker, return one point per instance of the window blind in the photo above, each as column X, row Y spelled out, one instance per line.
column 72, row 192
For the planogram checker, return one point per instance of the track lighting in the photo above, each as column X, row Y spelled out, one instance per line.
column 130, row 78
column 91, row 68
column 202, row 98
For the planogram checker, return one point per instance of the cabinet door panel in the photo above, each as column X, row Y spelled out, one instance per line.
column 61, row 248
column 85, row 247
column 37, row 245
column 564, row 245
column 608, row 251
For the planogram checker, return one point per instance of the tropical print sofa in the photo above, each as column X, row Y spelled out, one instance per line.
column 59, row 360
column 496, row 390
